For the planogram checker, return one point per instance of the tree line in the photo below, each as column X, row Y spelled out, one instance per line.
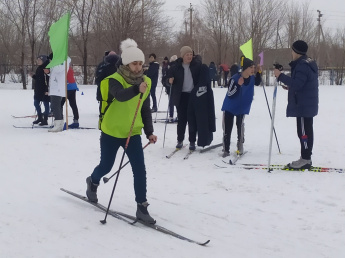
column 215, row 30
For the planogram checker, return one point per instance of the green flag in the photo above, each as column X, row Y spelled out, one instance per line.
column 247, row 49
column 58, row 38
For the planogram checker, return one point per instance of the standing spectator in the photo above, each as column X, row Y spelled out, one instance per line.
column 237, row 102
column 104, row 69
column 303, row 99
column 201, row 112
column 225, row 69
column 125, row 88
column 234, row 69
column 213, row 73
column 41, row 90
column 57, row 92
column 184, row 77
column 71, row 96
column 172, row 62
column 152, row 73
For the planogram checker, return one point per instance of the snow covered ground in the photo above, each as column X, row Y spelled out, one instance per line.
column 245, row 213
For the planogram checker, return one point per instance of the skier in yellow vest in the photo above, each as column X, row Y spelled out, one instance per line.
column 125, row 87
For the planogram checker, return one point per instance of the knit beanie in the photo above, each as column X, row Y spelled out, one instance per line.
column 173, row 58
column 300, row 47
column 42, row 57
column 185, row 49
column 131, row 52
column 247, row 63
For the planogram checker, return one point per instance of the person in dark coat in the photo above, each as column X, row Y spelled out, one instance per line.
column 184, row 77
column 153, row 73
column 107, row 67
column 234, row 69
column 303, row 99
column 237, row 102
column 201, row 110
column 41, row 90
column 213, row 73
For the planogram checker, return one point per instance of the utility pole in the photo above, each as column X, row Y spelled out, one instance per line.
column 191, row 25
column 142, row 25
column 318, row 35
column 185, row 26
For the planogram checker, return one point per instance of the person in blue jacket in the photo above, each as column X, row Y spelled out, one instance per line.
column 237, row 102
column 303, row 99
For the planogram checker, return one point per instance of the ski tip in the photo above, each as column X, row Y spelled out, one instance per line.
column 203, row 244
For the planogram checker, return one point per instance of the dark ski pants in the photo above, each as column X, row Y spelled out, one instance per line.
column 56, row 107
column 38, row 107
column 228, row 122
column 182, row 119
column 109, row 147
column 171, row 106
column 226, row 74
column 72, row 103
column 153, row 96
column 305, row 134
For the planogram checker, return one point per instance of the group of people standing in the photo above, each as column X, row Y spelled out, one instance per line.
column 49, row 86
column 128, row 87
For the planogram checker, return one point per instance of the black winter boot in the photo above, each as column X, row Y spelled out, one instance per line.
column 91, row 191
column 143, row 214
column 45, row 120
column 38, row 120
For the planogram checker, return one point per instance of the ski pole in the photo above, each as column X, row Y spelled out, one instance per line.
column 106, row 179
column 123, row 156
column 165, row 128
column 272, row 124
column 159, row 101
column 269, row 111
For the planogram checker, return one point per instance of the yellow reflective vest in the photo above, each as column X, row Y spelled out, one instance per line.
column 116, row 117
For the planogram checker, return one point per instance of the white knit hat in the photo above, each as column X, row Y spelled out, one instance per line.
column 131, row 52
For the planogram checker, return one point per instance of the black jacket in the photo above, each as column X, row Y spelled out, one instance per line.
column 152, row 73
column 201, row 111
column 107, row 67
column 41, row 83
column 177, row 72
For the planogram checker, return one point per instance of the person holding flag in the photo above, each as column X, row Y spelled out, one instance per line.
column 237, row 102
column 58, row 38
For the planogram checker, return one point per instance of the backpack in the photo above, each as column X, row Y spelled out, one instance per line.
column 105, row 100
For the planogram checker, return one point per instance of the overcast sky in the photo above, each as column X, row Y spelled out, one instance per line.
column 333, row 11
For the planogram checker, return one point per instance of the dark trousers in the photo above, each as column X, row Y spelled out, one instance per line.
column 72, row 103
column 182, row 119
column 226, row 78
column 38, row 107
column 228, row 122
column 305, row 134
column 153, row 95
column 109, row 147
column 55, row 102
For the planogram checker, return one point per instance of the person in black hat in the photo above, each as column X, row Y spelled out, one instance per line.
column 237, row 102
column 303, row 99
column 41, row 90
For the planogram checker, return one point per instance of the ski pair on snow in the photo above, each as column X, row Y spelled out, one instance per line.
column 132, row 220
column 191, row 151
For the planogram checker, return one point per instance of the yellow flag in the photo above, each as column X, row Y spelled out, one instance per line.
column 247, row 49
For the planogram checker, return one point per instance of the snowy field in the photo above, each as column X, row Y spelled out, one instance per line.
column 245, row 213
